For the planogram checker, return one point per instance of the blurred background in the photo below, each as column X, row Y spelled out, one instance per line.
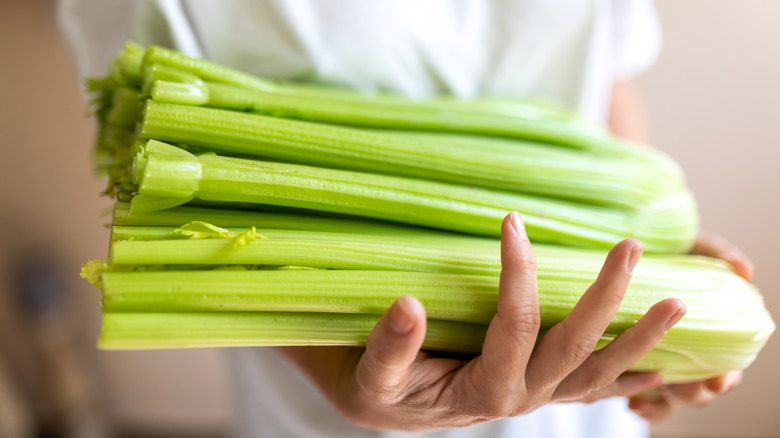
column 712, row 100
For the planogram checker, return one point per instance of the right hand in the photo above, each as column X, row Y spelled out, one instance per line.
column 393, row 385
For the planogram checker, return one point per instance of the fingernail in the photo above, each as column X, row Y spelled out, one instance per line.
column 674, row 319
column 517, row 224
column 400, row 319
column 735, row 378
column 633, row 258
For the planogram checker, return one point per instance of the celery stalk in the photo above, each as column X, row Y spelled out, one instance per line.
column 237, row 218
column 190, row 330
column 490, row 117
column 669, row 224
column 482, row 162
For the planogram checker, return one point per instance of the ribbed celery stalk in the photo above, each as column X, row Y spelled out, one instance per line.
column 127, row 65
column 482, row 162
column 235, row 218
column 725, row 327
column 399, row 236
column 308, row 249
column 525, row 120
column 455, row 298
column 669, row 224
column 189, row 330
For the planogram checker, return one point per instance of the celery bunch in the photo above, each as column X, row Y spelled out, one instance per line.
column 253, row 212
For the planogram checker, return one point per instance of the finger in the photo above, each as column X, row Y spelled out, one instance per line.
column 725, row 383
column 392, row 348
column 651, row 410
column 689, row 394
column 513, row 331
column 701, row 393
column 718, row 247
column 567, row 344
column 626, row 385
column 740, row 262
column 605, row 365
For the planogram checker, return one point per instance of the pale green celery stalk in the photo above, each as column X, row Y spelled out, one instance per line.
column 722, row 306
column 118, row 115
column 725, row 327
column 126, row 109
column 657, row 276
column 232, row 218
column 526, row 121
column 669, row 224
column 220, row 74
column 648, row 170
column 191, row 330
column 315, row 229
column 205, row 70
column 492, row 117
column 146, row 202
column 308, row 249
column 136, row 330
column 465, row 298
column 482, row 162
column 127, row 65
column 156, row 245
column 181, row 87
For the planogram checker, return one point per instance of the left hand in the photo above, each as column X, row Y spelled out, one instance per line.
column 669, row 397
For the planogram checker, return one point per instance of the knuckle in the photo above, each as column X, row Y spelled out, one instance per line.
column 495, row 408
column 373, row 388
column 599, row 378
column 380, row 392
column 580, row 349
column 524, row 319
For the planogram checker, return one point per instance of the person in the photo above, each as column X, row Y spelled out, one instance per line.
column 581, row 53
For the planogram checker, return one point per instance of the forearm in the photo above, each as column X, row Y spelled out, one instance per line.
column 627, row 118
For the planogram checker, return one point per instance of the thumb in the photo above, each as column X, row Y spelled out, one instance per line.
column 392, row 347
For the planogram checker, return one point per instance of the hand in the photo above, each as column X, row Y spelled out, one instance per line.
column 391, row 384
column 660, row 404
column 716, row 246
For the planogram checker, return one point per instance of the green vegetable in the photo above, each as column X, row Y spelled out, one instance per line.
column 166, row 172
column 725, row 327
column 310, row 209
column 474, row 161
column 133, row 330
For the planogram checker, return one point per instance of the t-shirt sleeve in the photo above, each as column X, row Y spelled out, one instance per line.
column 95, row 31
column 637, row 38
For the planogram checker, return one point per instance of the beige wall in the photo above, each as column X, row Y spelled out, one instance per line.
column 48, row 194
column 713, row 99
column 713, row 102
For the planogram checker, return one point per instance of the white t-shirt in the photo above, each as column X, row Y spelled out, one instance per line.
column 571, row 51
